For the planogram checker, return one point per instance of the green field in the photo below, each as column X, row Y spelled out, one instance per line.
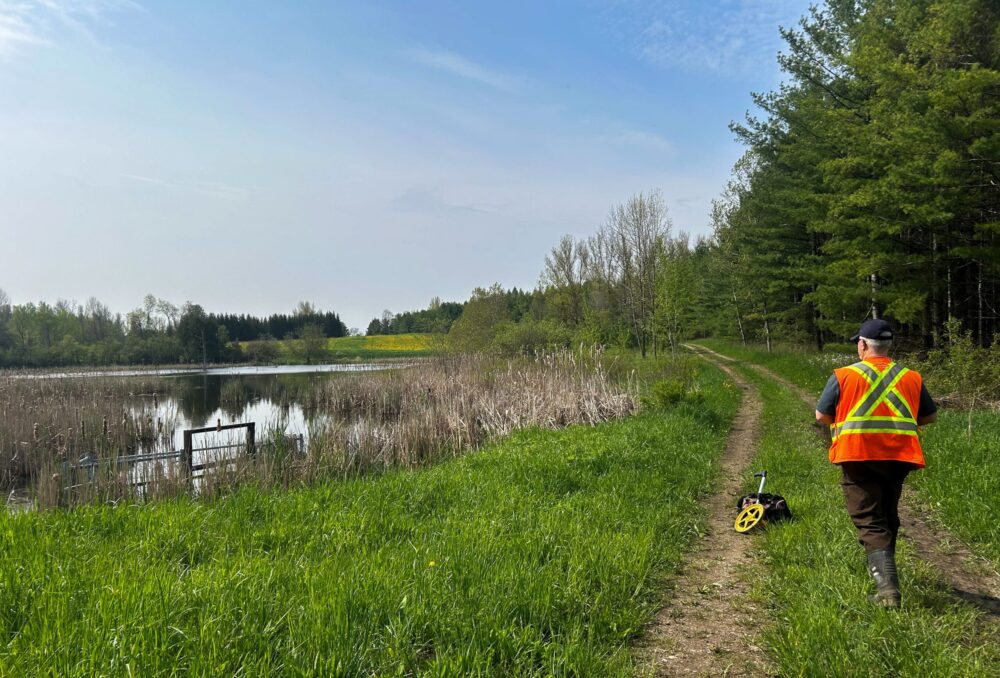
column 385, row 346
column 347, row 349
column 541, row 555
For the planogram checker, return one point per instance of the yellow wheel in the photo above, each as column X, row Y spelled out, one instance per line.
column 749, row 517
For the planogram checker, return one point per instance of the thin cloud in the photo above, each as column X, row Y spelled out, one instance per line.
column 730, row 37
column 205, row 188
column 17, row 30
column 426, row 201
column 25, row 23
column 643, row 139
column 456, row 64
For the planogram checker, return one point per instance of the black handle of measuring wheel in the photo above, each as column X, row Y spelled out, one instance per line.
column 762, row 474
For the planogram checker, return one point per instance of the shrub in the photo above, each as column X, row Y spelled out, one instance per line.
column 666, row 393
column 961, row 372
column 530, row 337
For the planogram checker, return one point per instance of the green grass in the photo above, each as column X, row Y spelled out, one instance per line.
column 811, row 577
column 961, row 483
column 804, row 367
column 540, row 555
column 960, row 486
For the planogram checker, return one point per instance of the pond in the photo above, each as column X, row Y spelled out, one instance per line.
column 272, row 396
column 228, row 371
column 144, row 414
column 278, row 398
column 274, row 401
column 275, row 397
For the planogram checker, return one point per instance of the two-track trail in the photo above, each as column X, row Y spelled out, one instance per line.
column 969, row 577
column 704, row 627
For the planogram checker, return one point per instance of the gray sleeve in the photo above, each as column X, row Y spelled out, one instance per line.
column 827, row 403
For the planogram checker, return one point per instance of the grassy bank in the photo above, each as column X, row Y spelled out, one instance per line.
column 535, row 556
column 959, row 485
column 811, row 575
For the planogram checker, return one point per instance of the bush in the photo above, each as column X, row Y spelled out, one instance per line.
column 961, row 372
column 530, row 337
column 666, row 393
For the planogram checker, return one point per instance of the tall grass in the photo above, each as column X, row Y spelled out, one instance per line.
column 538, row 555
column 811, row 576
column 961, row 484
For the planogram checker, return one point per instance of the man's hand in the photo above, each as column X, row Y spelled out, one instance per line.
column 929, row 419
column 824, row 418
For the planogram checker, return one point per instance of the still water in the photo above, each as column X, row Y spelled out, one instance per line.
column 239, row 370
column 277, row 399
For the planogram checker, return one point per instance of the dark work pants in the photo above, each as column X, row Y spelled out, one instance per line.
column 871, row 491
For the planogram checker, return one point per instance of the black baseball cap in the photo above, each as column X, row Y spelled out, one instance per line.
column 878, row 330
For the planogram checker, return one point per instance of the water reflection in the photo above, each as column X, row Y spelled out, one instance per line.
column 214, row 371
column 284, row 402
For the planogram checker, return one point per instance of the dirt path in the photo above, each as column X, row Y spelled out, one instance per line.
column 969, row 576
column 703, row 628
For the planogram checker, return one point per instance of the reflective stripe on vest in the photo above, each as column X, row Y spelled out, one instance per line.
column 881, row 390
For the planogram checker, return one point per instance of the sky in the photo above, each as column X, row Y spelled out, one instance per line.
column 363, row 156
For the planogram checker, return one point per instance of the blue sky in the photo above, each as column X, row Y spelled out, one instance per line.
column 361, row 155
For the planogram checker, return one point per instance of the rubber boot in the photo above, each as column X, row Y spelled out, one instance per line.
column 882, row 567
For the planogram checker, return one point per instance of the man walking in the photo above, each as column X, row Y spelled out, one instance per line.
column 874, row 408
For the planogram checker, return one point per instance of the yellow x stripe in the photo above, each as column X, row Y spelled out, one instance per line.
column 861, row 419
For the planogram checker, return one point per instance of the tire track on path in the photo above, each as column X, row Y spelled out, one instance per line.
column 702, row 630
column 969, row 576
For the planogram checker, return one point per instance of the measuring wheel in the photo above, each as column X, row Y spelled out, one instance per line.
column 749, row 517
column 752, row 515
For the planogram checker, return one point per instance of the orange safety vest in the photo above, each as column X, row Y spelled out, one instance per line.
column 876, row 416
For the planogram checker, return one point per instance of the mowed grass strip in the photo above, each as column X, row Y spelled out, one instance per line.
column 811, row 575
column 960, row 487
column 540, row 555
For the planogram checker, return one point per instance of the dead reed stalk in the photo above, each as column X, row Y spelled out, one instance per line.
column 359, row 423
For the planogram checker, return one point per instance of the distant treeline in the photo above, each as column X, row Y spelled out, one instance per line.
column 436, row 318
column 279, row 325
column 158, row 332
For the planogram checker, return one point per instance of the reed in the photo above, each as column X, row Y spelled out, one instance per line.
column 359, row 423
column 440, row 408
column 46, row 422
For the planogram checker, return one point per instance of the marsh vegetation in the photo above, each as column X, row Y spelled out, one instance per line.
column 354, row 423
